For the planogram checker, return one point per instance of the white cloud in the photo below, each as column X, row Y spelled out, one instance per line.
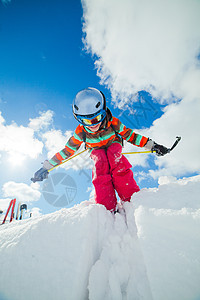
column 18, row 141
column 43, row 121
column 146, row 45
column 22, row 139
column 152, row 46
column 21, row 191
column 4, row 203
column 179, row 119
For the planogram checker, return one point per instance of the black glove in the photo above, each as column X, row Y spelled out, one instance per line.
column 160, row 149
column 40, row 175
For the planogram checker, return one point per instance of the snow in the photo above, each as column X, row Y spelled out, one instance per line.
column 85, row 252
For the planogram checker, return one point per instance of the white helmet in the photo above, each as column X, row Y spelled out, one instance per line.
column 89, row 107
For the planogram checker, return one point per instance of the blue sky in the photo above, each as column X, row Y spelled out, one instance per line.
column 41, row 55
column 43, row 64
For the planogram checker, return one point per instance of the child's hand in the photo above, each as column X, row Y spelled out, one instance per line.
column 160, row 149
column 40, row 175
column 43, row 172
column 153, row 146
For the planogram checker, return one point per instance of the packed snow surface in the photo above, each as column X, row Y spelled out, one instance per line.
column 85, row 252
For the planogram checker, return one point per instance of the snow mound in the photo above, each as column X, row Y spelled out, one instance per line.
column 87, row 253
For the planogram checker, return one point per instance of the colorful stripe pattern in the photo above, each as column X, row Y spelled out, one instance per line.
column 103, row 138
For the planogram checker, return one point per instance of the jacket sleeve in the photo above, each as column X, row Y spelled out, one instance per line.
column 72, row 145
column 128, row 134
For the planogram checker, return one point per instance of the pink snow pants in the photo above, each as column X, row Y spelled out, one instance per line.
column 112, row 172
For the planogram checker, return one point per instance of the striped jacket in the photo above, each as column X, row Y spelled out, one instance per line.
column 111, row 130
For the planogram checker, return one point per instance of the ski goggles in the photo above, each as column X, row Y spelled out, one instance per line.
column 91, row 120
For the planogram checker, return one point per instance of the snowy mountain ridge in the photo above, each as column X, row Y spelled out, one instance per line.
column 87, row 253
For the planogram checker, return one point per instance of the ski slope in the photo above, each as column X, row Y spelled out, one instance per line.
column 87, row 253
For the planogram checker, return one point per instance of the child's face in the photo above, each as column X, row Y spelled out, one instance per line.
column 94, row 128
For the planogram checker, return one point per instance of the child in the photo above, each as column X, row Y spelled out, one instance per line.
column 103, row 135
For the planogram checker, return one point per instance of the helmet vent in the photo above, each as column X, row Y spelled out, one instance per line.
column 98, row 104
column 76, row 107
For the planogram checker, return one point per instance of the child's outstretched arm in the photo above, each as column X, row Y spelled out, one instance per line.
column 72, row 145
column 153, row 146
column 137, row 139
